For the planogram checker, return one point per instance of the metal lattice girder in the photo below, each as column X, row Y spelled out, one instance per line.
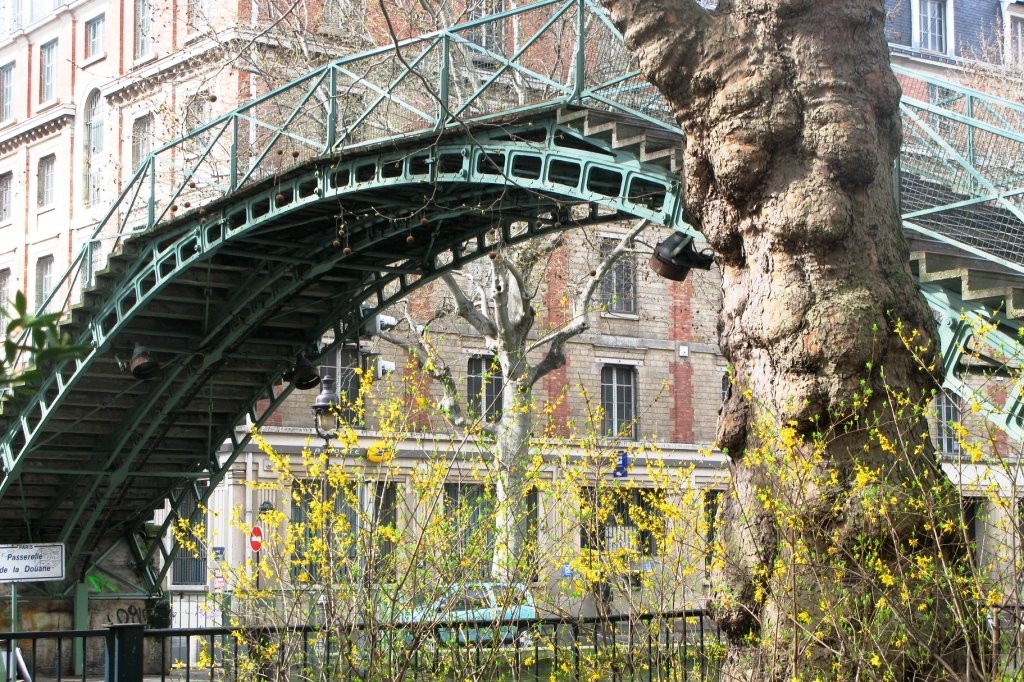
column 230, row 295
column 979, row 345
column 962, row 168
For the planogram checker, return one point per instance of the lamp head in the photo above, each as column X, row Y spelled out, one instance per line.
column 304, row 376
column 142, row 365
column 675, row 256
column 324, row 418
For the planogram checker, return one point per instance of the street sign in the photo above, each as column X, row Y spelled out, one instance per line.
column 256, row 539
column 30, row 563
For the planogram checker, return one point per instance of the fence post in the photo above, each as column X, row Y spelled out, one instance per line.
column 123, row 657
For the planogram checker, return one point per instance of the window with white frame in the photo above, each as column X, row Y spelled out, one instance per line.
column 142, row 139
column 947, row 413
column 1015, row 43
column 44, row 180
column 92, row 264
column 484, row 386
column 618, row 401
column 972, row 516
column 94, row 37
column 197, row 112
column 627, row 519
column 933, row 23
column 93, row 152
column 361, row 532
column 6, row 186
column 143, row 28
column 344, row 365
column 7, row 92
column 618, row 288
column 197, row 15
column 712, row 503
column 47, row 71
column 44, row 280
column 15, row 16
column 189, row 568
column 490, row 34
column 5, row 291
column 469, row 508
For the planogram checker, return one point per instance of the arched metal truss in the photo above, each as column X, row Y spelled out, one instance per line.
column 228, row 296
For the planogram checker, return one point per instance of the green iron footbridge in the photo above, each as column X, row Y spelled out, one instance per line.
column 240, row 245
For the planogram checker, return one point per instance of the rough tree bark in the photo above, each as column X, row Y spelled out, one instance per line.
column 792, row 128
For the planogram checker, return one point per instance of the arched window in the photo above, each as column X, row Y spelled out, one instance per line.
column 93, row 148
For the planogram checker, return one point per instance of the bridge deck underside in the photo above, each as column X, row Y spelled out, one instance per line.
column 227, row 324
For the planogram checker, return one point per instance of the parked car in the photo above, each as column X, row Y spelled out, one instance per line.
column 504, row 606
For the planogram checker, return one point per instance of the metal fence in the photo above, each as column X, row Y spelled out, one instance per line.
column 676, row 646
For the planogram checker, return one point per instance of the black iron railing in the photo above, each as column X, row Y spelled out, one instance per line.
column 677, row 646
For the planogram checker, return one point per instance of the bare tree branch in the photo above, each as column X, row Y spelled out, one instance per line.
column 580, row 320
column 433, row 364
column 467, row 311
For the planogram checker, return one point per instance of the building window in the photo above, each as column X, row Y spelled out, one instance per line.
column 143, row 28
column 47, row 71
column 622, row 519
column 44, row 180
column 16, row 16
column 1016, row 41
column 197, row 112
column 345, row 365
column 93, row 153
column 361, row 526
column 6, row 183
column 932, row 25
column 947, row 409
column 726, row 386
column 469, row 508
column 484, row 386
column 618, row 288
column 618, row 400
column 94, row 37
column 197, row 15
column 44, row 280
column 7, row 92
column 712, row 502
column 189, row 568
column 5, row 292
column 490, row 34
column 142, row 139
column 972, row 515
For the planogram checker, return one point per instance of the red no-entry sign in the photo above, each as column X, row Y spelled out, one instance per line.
column 256, row 538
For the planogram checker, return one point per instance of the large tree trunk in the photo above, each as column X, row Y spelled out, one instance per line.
column 792, row 122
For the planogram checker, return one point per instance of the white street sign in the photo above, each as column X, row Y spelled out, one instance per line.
column 29, row 563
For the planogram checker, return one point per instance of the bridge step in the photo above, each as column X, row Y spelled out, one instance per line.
column 998, row 290
column 650, row 144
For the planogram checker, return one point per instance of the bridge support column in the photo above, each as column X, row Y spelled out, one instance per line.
column 124, row 653
column 81, row 622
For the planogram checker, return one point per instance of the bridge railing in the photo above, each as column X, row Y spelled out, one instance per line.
column 962, row 167
column 548, row 53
